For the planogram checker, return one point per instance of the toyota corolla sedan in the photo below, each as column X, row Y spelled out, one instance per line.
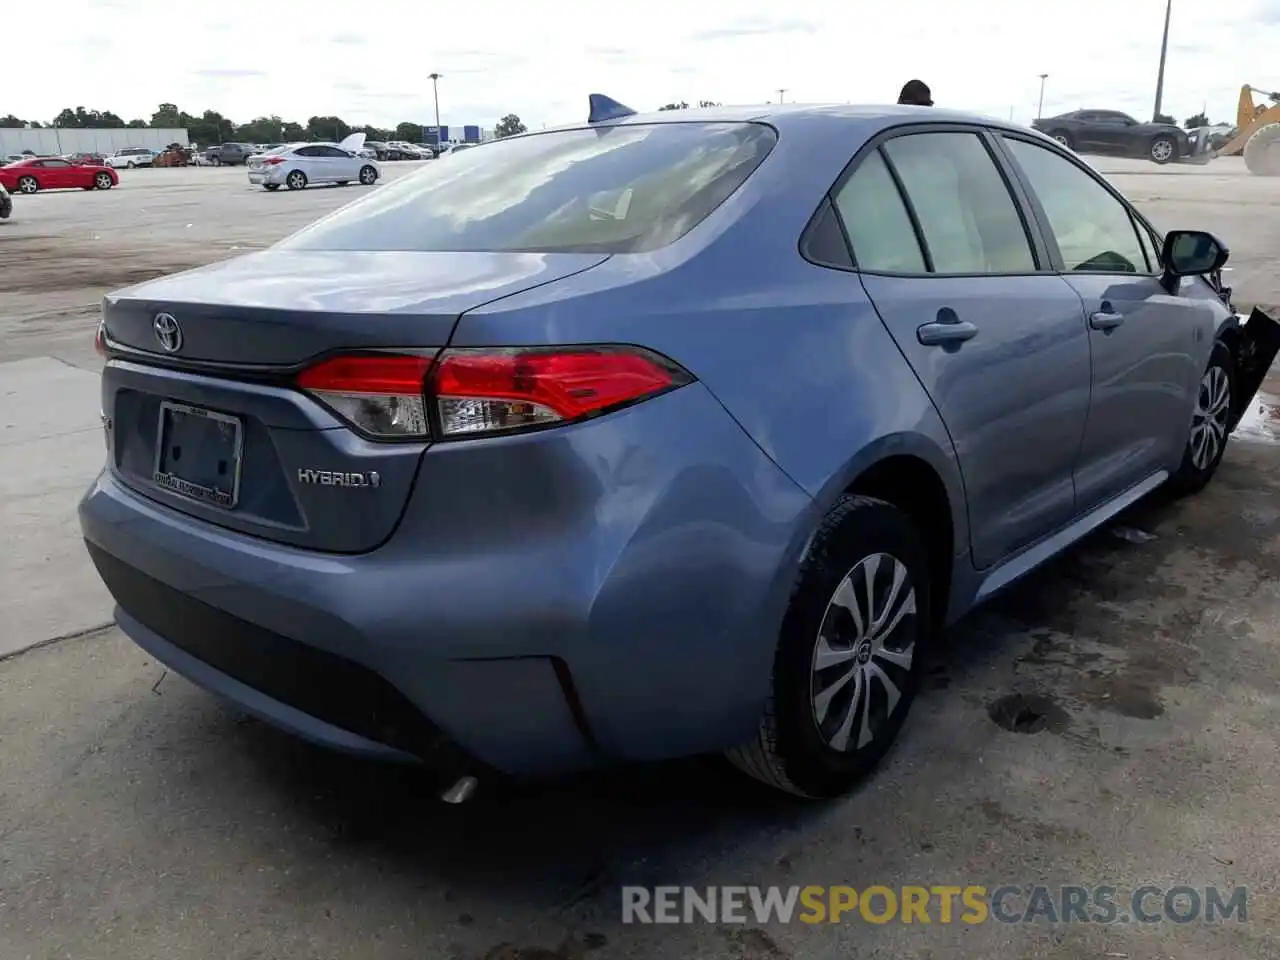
column 650, row 436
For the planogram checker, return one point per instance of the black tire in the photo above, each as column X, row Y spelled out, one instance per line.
column 28, row 184
column 296, row 180
column 1196, row 471
column 1063, row 138
column 271, row 186
column 368, row 175
column 792, row 752
column 1163, row 149
column 102, row 181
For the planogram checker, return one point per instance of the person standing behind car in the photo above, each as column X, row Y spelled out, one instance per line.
column 916, row 93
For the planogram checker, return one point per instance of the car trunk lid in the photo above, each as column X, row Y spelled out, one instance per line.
column 215, row 427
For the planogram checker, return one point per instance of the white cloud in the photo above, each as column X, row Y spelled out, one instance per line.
column 368, row 62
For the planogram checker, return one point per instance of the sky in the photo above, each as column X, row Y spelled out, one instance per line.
column 369, row 62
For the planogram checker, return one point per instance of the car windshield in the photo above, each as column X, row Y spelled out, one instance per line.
column 619, row 189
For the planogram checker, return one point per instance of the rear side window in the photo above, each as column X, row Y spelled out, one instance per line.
column 966, row 213
column 620, row 189
column 877, row 222
column 1094, row 230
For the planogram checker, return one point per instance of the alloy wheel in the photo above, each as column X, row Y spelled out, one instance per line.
column 864, row 651
column 104, row 181
column 1209, row 421
column 1161, row 151
column 28, row 185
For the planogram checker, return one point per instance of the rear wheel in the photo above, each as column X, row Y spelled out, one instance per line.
column 1063, row 138
column 296, row 180
column 103, row 181
column 368, row 175
column 28, row 184
column 1207, row 440
column 1163, row 149
column 849, row 654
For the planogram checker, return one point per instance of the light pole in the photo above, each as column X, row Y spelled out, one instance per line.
column 1164, row 50
column 782, row 91
column 435, row 91
column 1040, row 108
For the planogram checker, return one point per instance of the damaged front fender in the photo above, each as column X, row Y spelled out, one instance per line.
column 1254, row 346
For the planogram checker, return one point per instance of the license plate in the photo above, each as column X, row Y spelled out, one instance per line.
column 198, row 454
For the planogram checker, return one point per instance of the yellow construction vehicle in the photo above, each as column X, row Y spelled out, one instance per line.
column 1257, row 134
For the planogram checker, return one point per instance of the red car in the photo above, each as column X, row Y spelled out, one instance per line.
column 54, row 173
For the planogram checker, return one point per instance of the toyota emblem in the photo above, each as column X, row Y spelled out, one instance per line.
column 167, row 332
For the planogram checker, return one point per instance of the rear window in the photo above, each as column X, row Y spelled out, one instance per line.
column 620, row 189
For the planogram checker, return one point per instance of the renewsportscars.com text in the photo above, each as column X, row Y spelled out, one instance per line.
column 1010, row 903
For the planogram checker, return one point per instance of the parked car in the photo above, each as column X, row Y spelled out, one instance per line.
column 401, row 150
column 174, row 155
column 378, row 147
column 1117, row 134
column 92, row 159
column 15, row 157
column 131, row 157
column 233, row 154
column 6, row 203
column 299, row 165
column 694, row 447
column 54, row 173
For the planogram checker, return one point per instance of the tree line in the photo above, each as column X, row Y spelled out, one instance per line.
column 212, row 127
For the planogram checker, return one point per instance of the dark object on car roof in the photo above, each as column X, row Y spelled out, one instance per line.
column 916, row 93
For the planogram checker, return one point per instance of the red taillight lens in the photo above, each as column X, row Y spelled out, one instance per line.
column 379, row 394
column 487, row 391
column 483, row 391
column 272, row 161
column 100, row 339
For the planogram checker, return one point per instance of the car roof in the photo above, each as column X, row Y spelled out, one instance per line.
column 812, row 117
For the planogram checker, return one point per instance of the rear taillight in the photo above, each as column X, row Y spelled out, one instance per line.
column 476, row 392
column 380, row 395
column 100, row 339
column 272, row 161
column 489, row 391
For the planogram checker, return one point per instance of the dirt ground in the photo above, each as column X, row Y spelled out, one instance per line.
column 141, row 819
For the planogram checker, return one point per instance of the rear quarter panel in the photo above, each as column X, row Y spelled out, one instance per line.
column 795, row 352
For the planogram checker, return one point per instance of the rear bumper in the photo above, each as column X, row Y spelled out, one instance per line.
column 634, row 617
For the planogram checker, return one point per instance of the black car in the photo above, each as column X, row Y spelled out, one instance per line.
column 232, row 154
column 1118, row 134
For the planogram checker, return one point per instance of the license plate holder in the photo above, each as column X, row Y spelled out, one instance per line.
column 198, row 454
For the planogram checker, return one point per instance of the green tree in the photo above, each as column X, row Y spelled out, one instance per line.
column 12, row 122
column 136, row 124
column 1199, row 120
column 1164, row 118
column 509, row 126
column 675, row 106
column 168, row 115
column 408, row 131
column 327, row 128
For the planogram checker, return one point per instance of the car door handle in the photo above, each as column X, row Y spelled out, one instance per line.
column 1106, row 320
column 935, row 334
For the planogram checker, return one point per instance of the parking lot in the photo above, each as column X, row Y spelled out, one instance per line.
column 140, row 818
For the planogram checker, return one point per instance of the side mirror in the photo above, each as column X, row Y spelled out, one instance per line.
column 1193, row 253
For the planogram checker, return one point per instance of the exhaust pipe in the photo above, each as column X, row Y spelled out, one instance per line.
column 461, row 791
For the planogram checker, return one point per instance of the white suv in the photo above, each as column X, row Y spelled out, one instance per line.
column 132, row 157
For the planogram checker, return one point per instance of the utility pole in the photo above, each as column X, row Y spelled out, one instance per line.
column 435, row 90
column 1164, row 50
column 781, row 93
column 1040, row 106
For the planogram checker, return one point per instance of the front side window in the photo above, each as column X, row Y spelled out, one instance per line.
column 968, row 217
column 629, row 188
column 1094, row 230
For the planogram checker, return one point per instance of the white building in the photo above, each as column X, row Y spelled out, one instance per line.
column 55, row 141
